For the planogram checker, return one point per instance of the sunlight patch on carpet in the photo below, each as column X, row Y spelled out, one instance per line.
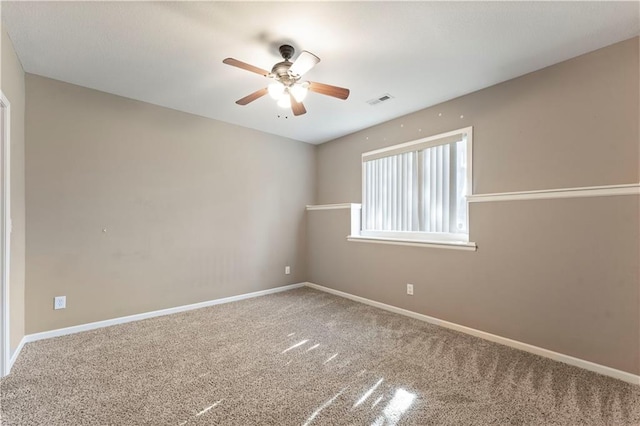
column 331, row 357
column 209, row 408
column 368, row 393
column 400, row 403
column 295, row 346
column 322, row 407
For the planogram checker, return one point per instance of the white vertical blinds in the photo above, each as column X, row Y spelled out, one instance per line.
column 418, row 191
column 462, row 188
column 390, row 184
column 435, row 178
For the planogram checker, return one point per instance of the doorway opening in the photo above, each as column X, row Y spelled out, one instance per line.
column 5, row 231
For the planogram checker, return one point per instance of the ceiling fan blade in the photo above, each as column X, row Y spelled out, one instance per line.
column 304, row 63
column 329, row 90
column 245, row 66
column 297, row 107
column 252, row 97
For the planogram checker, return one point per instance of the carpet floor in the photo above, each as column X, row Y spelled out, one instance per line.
column 300, row 357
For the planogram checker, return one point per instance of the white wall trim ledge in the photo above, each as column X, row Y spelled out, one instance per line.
column 333, row 206
column 556, row 356
column 452, row 245
column 137, row 317
column 587, row 191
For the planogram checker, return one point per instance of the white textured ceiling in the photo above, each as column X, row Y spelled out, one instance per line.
column 422, row 53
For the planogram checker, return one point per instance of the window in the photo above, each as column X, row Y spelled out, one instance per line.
column 417, row 190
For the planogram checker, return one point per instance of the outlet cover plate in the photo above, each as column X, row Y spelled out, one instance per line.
column 410, row 289
column 60, row 302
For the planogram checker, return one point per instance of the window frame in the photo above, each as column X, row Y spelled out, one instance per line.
column 429, row 238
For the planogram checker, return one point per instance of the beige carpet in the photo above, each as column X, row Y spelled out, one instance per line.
column 300, row 357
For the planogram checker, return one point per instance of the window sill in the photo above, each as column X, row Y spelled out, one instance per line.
column 451, row 245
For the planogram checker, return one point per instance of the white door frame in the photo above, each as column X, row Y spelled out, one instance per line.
column 5, row 234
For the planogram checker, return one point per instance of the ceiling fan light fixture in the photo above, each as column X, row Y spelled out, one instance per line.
column 285, row 86
column 276, row 90
column 284, row 101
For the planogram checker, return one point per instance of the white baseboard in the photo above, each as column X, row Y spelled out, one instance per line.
column 137, row 317
column 15, row 354
column 567, row 359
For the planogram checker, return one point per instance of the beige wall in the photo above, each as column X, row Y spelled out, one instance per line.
column 12, row 81
column 572, row 124
column 560, row 274
column 195, row 209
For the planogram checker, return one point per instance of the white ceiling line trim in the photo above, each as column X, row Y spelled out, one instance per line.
column 587, row 191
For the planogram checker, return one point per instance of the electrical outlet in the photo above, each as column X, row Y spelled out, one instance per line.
column 287, row 270
column 410, row 289
column 59, row 302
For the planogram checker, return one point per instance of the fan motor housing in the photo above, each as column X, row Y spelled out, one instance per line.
column 281, row 72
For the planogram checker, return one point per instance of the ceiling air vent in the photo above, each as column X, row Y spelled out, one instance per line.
column 380, row 99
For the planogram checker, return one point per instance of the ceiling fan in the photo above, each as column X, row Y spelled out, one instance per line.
column 286, row 86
